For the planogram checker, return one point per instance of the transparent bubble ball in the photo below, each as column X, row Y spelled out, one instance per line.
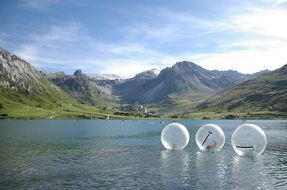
column 174, row 136
column 248, row 140
column 210, row 137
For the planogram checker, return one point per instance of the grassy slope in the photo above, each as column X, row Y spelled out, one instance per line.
column 23, row 106
column 178, row 105
column 252, row 98
column 46, row 102
column 187, row 110
column 55, row 105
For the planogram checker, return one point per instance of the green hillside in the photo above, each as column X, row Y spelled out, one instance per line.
column 266, row 94
column 27, row 94
column 24, row 105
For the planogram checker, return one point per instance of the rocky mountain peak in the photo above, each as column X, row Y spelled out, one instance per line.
column 150, row 74
column 283, row 70
column 78, row 72
column 185, row 65
column 17, row 71
column 189, row 69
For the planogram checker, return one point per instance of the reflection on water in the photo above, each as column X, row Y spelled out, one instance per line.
column 210, row 166
column 129, row 155
column 251, row 171
column 175, row 168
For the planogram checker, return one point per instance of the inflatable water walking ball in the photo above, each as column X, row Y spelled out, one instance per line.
column 174, row 136
column 210, row 137
column 248, row 140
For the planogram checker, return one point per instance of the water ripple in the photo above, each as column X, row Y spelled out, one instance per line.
column 132, row 157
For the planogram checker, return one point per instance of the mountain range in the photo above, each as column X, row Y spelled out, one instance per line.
column 28, row 93
column 267, row 91
column 181, row 79
column 79, row 86
column 184, row 78
column 175, row 89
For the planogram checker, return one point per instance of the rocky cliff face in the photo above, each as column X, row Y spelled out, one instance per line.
column 16, row 72
column 23, row 87
column 80, row 87
column 77, row 82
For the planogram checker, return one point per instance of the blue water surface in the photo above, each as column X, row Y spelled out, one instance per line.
column 111, row 154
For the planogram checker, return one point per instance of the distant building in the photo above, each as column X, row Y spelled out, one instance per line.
column 133, row 107
column 152, row 114
column 126, row 107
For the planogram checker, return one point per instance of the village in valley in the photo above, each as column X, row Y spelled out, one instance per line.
column 136, row 110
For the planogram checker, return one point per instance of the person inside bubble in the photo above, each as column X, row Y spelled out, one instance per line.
column 211, row 146
column 174, row 146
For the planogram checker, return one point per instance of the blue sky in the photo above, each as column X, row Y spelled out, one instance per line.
column 125, row 37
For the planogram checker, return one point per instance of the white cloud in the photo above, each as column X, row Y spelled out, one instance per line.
column 66, row 32
column 245, row 61
column 263, row 44
column 268, row 22
column 126, row 68
column 141, row 50
column 275, row 1
column 176, row 27
column 50, row 51
column 55, row 49
column 260, row 43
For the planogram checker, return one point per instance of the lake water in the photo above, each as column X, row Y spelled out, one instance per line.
column 129, row 155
